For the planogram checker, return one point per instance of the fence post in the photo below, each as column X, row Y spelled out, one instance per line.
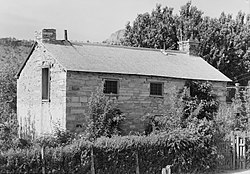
column 234, row 150
column 166, row 170
column 43, row 161
column 137, row 162
column 92, row 160
column 163, row 171
column 244, row 150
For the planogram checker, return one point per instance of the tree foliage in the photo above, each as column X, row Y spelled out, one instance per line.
column 201, row 98
column 155, row 30
column 188, row 22
column 224, row 44
column 223, row 40
column 190, row 107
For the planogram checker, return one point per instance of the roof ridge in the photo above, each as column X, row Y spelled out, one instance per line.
column 128, row 47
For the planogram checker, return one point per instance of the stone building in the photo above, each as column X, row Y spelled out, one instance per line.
column 57, row 78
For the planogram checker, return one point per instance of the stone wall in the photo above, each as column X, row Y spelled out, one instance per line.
column 35, row 116
column 133, row 99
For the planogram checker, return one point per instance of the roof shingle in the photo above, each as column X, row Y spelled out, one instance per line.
column 127, row 60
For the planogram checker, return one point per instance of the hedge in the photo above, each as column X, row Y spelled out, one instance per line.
column 123, row 155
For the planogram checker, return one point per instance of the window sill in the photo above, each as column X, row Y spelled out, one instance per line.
column 156, row 96
column 112, row 95
column 45, row 100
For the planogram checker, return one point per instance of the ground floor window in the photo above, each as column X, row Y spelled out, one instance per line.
column 156, row 89
column 110, row 86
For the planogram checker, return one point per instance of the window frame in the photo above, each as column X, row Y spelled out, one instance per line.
column 48, row 85
column 162, row 89
column 117, row 86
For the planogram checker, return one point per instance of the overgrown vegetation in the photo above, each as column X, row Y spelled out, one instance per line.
column 104, row 118
column 186, row 137
column 13, row 52
column 195, row 102
column 184, row 150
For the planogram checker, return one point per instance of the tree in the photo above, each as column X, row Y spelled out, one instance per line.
column 155, row 30
column 188, row 22
column 224, row 43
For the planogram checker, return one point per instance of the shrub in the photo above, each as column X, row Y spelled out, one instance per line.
column 185, row 151
column 8, row 134
column 192, row 112
column 59, row 138
column 73, row 158
column 20, row 161
column 104, row 118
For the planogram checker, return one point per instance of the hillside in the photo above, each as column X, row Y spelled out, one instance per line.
column 13, row 52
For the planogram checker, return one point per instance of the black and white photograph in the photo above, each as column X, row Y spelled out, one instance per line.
column 125, row 87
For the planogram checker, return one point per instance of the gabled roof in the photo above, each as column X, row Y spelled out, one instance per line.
column 134, row 61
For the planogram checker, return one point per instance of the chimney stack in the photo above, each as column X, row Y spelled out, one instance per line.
column 190, row 46
column 49, row 36
column 46, row 35
column 65, row 35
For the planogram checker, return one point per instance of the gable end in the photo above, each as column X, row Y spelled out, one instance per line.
column 25, row 61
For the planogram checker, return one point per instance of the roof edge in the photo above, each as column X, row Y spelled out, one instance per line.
column 214, row 80
column 25, row 61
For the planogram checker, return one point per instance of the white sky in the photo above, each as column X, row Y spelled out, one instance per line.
column 92, row 20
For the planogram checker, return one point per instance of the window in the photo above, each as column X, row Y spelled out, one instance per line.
column 110, row 87
column 156, row 89
column 231, row 91
column 45, row 83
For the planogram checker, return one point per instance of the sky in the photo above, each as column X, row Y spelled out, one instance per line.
column 92, row 20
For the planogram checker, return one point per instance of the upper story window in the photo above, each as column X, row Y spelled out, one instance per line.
column 45, row 83
column 110, row 87
column 156, row 89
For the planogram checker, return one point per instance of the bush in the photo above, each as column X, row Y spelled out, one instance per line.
column 104, row 118
column 72, row 158
column 8, row 135
column 192, row 112
column 185, row 151
column 59, row 138
column 20, row 161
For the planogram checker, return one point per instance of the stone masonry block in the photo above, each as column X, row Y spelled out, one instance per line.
column 77, row 111
column 75, row 99
column 71, row 118
column 74, row 105
column 75, row 88
column 83, row 99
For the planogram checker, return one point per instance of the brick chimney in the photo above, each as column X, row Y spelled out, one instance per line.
column 65, row 35
column 190, row 47
column 46, row 35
